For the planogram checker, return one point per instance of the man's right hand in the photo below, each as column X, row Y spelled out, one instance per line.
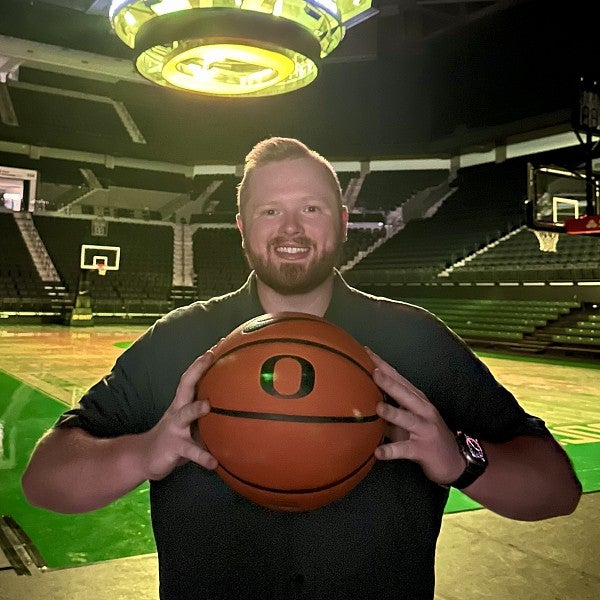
column 170, row 443
column 72, row 471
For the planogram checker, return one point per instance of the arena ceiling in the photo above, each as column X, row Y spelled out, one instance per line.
column 421, row 78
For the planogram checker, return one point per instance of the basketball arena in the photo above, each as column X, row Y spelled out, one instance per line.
column 463, row 137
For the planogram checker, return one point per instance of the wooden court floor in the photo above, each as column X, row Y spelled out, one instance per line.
column 480, row 556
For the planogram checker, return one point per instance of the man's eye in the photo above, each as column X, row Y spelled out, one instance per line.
column 312, row 209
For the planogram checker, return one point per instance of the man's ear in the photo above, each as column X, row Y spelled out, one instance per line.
column 345, row 217
column 240, row 225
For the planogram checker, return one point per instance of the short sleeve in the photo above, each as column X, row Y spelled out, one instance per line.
column 121, row 402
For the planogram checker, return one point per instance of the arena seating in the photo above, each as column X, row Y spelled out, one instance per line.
column 582, row 329
column 221, row 204
column 360, row 238
column 577, row 258
column 462, row 225
column 475, row 238
column 219, row 262
column 386, row 190
column 497, row 319
column 345, row 177
column 143, row 282
column 20, row 285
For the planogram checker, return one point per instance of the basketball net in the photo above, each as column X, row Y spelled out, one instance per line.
column 547, row 239
column 101, row 268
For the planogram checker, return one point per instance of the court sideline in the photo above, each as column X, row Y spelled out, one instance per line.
column 481, row 556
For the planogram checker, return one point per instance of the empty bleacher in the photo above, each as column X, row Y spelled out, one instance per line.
column 475, row 237
column 580, row 329
column 360, row 239
column 577, row 258
column 487, row 204
column 496, row 319
column 21, row 287
column 387, row 190
column 221, row 204
column 219, row 262
column 63, row 237
column 143, row 281
column 345, row 177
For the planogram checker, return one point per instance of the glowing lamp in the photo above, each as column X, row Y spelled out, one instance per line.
column 240, row 48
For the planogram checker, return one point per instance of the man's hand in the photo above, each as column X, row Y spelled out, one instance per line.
column 170, row 443
column 416, row 429
column 105, row 469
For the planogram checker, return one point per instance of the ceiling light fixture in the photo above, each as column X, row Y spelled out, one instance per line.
column 240, row 48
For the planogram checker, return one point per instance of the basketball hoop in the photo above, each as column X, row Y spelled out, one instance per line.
column 101, row 268
column 547, row 239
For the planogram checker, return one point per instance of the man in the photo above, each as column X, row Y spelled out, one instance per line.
column 379, row 540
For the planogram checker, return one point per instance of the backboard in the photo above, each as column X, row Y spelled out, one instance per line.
column 92, row 256
column 558, row 198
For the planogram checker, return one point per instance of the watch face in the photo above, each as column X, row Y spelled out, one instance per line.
column 474, row 448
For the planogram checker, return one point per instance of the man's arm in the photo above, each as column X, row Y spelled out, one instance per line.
column 527, row 478
column 71, row 471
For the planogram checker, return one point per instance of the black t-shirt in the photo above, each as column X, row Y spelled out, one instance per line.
column 378, row 541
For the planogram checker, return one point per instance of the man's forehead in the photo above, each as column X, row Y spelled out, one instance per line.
column 275, row 199
column 303, row 174
column 291, row 167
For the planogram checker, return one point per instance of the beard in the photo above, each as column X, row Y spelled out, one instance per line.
column 289, row 279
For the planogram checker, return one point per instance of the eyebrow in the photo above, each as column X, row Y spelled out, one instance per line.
column 279, row 201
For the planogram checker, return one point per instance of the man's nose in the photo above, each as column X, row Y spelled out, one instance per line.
column 291, row 223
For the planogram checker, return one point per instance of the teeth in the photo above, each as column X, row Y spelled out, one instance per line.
column 290, row 249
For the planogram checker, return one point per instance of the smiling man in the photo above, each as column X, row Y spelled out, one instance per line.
column 292, row 219
column 449, row 423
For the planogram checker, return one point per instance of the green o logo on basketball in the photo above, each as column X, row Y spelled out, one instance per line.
column 286, row 376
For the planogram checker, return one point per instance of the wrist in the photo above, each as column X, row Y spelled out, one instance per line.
column 132, row 459
column 474, row 458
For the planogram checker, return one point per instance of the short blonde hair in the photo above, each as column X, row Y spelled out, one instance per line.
column 275, row 149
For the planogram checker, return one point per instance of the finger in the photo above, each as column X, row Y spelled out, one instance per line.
column 395, row 451
column 199, row 455
column 407, row 396
column 386, row 368
column 186, row 390
column 399, row 417
column 380, row 363
column 190, row 413
column 214, row 349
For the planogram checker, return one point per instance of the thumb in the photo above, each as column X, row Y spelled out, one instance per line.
column 186, row 390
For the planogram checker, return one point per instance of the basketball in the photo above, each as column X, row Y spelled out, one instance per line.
column 292, row 420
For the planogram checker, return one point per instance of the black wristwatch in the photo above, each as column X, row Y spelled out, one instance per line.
column 474, row 455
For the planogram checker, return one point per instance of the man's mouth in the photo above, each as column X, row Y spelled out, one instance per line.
column 291, row 251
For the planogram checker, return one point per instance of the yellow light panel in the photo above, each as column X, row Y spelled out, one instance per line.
column 169, row 6
column 226, row 69
column 232, row 64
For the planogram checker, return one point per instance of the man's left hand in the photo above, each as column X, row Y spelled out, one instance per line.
column 416, row 428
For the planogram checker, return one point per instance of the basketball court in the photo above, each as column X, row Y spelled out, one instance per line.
column 110, row 553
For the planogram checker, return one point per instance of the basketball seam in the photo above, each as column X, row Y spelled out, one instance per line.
column 242, row 414
column 304, row 490
column 296, row 341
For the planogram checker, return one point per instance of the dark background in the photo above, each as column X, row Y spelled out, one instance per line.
column 419, row 79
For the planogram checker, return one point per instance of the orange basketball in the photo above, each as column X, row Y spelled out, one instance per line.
column 292, row 420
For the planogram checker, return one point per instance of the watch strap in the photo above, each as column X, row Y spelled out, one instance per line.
column 476, row 461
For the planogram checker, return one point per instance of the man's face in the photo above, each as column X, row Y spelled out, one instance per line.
column 292, row 228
